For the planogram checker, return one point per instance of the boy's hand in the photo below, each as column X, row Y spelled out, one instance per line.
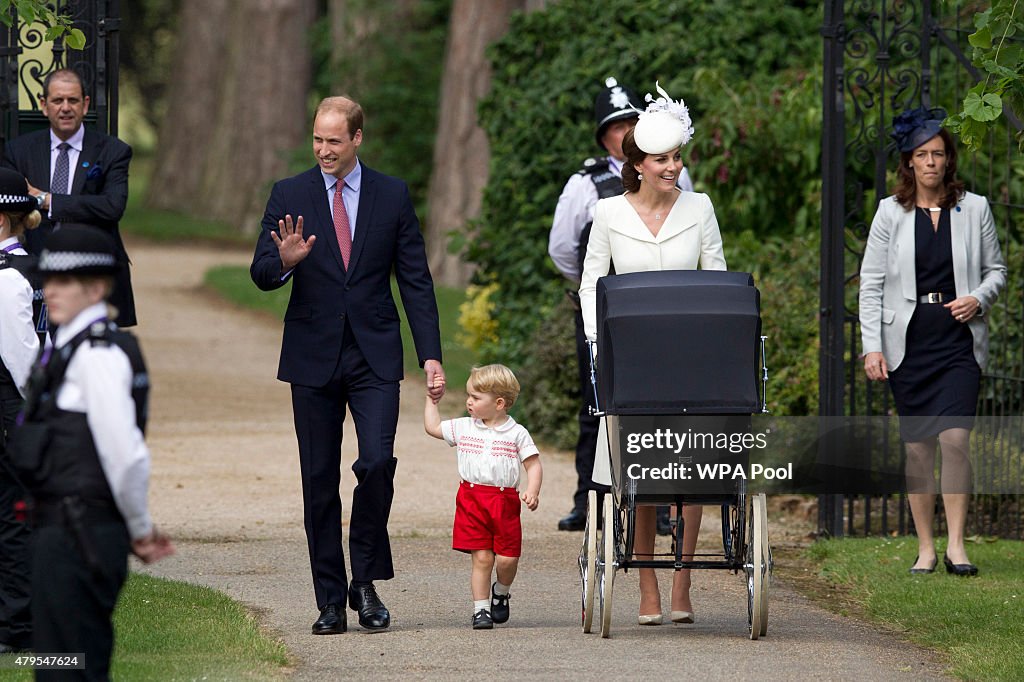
column 531, row 500
column 436, row 388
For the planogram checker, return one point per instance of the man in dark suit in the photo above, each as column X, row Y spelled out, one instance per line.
column 341, row 230
column 77, row 175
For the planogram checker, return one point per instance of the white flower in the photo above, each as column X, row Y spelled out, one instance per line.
column 676, row 109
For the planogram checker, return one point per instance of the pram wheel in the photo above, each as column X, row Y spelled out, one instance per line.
column 588, row 561
column 758, row 567
column 766, row 581
column 607, row 580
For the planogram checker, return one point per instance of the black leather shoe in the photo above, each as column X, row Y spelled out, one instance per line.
column 482, row 620
column 576, row 520
column 499, row 606
column 363, row 599
column 331, row 621
column 6, row 648
column 664, row 522
column 923, row 571
column 959, row 569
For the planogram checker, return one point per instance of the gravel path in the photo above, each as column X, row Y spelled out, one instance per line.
column 226, row 487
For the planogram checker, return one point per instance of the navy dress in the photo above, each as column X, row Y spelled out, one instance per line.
column 937, row 383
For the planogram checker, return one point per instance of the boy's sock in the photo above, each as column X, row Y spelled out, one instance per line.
column 484, row 604
column 500, row 589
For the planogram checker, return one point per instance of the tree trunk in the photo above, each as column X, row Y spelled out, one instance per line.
column 237, row 106
column 461, row 151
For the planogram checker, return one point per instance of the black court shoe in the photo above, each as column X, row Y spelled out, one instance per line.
column 959, row 569
column 923, row 571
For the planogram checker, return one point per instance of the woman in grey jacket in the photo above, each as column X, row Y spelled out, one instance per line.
column 932, row 270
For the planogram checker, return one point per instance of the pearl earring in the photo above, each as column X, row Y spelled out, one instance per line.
column 639, row 176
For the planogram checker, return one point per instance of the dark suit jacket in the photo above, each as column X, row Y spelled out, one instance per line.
column 324, row 297
column 99, row 193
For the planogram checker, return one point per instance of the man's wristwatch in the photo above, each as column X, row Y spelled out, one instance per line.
column 40, row 198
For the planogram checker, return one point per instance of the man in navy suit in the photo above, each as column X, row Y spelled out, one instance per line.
column 338, row 231
column 77, row 175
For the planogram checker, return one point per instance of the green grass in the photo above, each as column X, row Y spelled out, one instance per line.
column 233, row 283
column 167, row 630
column 976, row 623
column 168, row 226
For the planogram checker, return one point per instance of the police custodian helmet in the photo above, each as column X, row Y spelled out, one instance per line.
column 614, row 103
column 79, row 250
column 14, row 196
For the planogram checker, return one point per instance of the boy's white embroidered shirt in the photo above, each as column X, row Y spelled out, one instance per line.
column 489, row 456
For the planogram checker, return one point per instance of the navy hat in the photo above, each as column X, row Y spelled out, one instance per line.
column 79, row 250
column 914, row 127
column 614, row 103
column 14, row 196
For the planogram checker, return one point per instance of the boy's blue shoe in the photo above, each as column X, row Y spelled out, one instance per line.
column 499, row 606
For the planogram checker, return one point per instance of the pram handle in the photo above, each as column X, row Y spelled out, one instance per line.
column 764, row 379
column 595, row 409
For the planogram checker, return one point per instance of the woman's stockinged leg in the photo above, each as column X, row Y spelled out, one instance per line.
column 921, row 496
column 643, row 549
column 954, row 445
column 692, row 514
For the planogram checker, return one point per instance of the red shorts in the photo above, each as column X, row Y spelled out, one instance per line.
column 487, row 517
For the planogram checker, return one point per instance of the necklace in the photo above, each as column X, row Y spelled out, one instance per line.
column 931, row 209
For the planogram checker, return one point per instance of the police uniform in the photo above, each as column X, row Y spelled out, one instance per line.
column 598, row 178
column 80, row 450
column 19, row 346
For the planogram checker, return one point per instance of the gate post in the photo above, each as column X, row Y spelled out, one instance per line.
column 830, row 326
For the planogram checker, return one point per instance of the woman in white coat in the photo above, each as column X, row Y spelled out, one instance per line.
column 653, row 226
column 932, row 270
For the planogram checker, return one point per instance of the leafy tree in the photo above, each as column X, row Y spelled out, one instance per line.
column 59, row 25
column 1001, row 59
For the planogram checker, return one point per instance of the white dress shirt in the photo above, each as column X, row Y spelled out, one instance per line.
column 98, row 382
column 19, row 343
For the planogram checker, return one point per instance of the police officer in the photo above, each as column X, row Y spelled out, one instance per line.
column 616, row 109
column 19, row 346
column 81, row 452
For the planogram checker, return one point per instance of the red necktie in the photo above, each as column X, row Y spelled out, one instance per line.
column 341, row 227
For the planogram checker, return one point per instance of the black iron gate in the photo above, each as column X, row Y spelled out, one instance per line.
column 881, row 57
column 26, row 59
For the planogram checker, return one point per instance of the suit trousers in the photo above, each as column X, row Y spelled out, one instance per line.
column 72, row 606
column 586, row 443
column 319, row 413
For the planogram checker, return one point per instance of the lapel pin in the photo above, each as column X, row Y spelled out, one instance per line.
column 957, row 209
column 85, row 164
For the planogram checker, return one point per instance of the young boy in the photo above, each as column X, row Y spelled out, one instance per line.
column 80, row 451
column 490, row 446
